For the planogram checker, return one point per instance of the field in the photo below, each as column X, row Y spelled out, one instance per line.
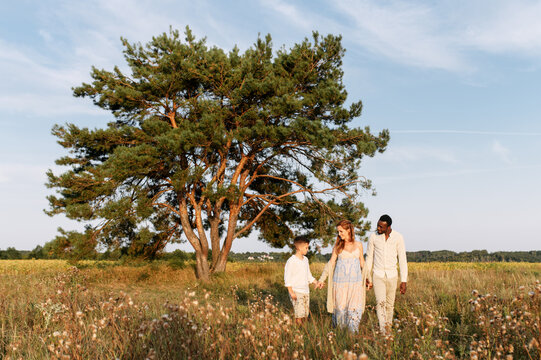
column 107, row 310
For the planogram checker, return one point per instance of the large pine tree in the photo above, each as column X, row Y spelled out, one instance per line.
column 209, row 145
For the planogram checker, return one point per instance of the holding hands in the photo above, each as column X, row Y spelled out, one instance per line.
column 368, row 284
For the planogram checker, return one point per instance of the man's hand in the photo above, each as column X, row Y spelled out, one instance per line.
column 320, row 285
column 316, row 284
column 368, row 284
column 403, row 288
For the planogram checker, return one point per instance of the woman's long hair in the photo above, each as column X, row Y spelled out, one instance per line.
column 340, row 243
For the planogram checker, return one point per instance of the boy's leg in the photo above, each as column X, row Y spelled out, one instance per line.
column 305, row 299
column 301, row 307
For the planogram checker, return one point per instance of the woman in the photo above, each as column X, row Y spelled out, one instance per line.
column 346, row 293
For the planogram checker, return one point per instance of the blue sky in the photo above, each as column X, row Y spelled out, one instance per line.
column 457, row 83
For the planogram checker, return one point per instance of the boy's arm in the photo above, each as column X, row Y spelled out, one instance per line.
column 288, row 273
column 292, row 293
column 311, row 279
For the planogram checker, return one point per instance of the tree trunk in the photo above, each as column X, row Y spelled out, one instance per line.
column 220, row 264
column 202, row 269
column 222, row 260
column 215, row 240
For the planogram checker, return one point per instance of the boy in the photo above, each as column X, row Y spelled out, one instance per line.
column 297, row 276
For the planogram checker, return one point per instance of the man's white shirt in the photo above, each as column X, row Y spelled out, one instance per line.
column 383, row 254
column 297, row 274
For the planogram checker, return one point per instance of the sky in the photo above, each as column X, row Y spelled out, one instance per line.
column 456, row 82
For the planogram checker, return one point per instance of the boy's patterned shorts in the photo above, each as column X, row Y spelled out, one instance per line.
column 301, row 306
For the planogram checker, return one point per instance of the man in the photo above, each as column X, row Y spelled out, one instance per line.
column 384, row 248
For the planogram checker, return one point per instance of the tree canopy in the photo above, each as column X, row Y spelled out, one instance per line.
column 208, row 145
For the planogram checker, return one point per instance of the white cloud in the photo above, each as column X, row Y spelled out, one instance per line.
column 466, row 132
column 37, row 80
column 32, row 84
column 501, row 151
column 447, row 174
column 444, row 35
column 294, row 15
column 17, row 173
column 505, row 27
column 45, row 35
column 406, row 33
column 404, row 154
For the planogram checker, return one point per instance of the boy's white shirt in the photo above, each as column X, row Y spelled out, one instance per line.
column 297, row 274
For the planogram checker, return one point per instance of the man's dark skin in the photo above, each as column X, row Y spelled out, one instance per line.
column 384, row 228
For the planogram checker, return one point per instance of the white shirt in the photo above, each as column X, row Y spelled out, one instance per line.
column 382, row 254
column 297, row 274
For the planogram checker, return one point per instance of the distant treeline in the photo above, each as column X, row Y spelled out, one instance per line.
column 40, row 252
column 418, row 256
column 474, row 256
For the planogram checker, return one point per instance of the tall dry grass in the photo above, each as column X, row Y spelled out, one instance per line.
column 105, row 310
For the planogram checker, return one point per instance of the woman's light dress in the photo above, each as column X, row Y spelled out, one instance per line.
column 348, row 290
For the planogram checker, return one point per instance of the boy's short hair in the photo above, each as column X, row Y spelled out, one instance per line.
column 301, row 240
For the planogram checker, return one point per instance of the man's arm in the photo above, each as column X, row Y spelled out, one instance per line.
column 369, row 263
column 403, row 264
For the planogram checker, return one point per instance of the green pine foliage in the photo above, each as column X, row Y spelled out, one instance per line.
column 207, row 145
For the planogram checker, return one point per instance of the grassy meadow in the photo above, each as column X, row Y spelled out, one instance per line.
column 110, row 310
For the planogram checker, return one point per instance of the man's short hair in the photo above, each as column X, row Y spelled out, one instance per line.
column 301, row 240
column 386, row 218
